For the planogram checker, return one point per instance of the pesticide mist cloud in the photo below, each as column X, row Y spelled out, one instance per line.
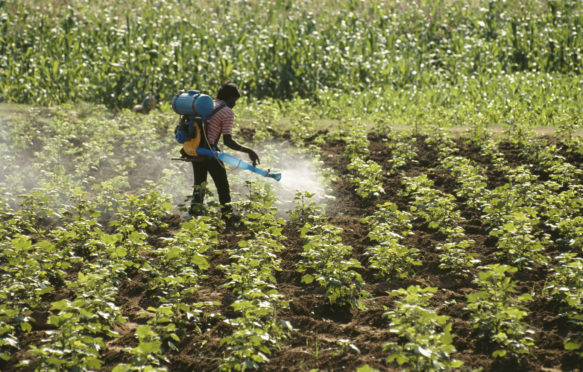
column 299, row 173
column 16, row 168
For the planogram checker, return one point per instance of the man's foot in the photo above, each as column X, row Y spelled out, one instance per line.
column 232, row 221
column 196, row 210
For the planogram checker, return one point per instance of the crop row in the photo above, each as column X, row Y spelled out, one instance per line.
column 544, row 156
column 25, row 279
column 440, row 212
column 325, row 260
column 175, row 271
column 510, row 220
column 251, row 277
column 390, row 257
column 365, row 174
column 425, row 338
column 403, row 151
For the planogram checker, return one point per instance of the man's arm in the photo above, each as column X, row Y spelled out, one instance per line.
column 232, row 144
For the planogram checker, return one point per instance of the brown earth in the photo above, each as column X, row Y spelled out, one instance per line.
column 318, row 326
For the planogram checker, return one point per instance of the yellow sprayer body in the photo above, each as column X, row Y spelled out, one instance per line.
column 192, row 144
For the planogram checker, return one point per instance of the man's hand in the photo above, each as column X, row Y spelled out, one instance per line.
column 253, row 156
column 232, row 144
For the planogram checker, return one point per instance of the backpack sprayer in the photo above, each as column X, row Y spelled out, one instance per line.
column 196, row 109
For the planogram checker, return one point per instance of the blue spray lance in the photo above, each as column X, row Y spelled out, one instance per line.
column 236, row 162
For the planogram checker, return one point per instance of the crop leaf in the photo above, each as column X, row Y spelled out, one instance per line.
column 571, row 345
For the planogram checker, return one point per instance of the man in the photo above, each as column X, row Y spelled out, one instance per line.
column 219, row 123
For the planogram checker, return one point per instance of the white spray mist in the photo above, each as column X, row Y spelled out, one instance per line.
column 299, row 173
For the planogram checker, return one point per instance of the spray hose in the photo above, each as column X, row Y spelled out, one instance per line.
column 213, row 149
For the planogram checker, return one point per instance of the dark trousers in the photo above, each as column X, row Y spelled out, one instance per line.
column 218, row 173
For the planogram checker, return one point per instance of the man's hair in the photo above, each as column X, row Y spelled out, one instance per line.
column 228, row 90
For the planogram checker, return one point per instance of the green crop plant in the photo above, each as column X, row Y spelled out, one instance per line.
column 454, row 256
column 302, row 128
column 571, row 229
column 36, row 206
column 561, row 212
column 305, row 210
column 518, row 244
column 498, row 315
column 512, row 211
column 142, row 211
column 522, row 192
column 473, row 190
column 29, row 271
column 389, row 257
column 181, row 263
column 324, row 262
column 567, row 280
column 265, row 116
column 84, row 323
column 546, row 158
column 148, row 355
column 520, row 135
column 574, row 146
column 434, row 206
column 367, row 177
column 414, row 185
column 366, row 174
column 441, row 140
column 123, row 250
column 489, row 148
column 261, row 200
column 403, row 153
column 566, row 286
column 163, row 324
column 477, row 135
column 250, row 272
column 256, row 330
column 388, row 217
column 80, row 229
column 175, row 273
column 356, row 141
column 425, row 338
column 327, row 175
column 173, row 320
column 566, row 133
column 13, row 222
column 473, row 184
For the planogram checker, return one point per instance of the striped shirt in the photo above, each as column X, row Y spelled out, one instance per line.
column 220, row 123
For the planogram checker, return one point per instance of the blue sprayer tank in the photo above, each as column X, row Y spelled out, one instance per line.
column 193, row 103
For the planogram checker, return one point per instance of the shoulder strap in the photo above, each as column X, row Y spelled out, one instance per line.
column 219, row 108
column 206, row 122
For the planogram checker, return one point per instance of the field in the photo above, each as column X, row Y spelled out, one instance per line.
column 429, row 216
column 118, row 277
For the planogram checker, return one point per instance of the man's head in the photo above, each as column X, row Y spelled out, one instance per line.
column 229, row 93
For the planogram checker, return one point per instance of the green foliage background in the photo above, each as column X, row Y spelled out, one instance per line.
column 376, row 56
